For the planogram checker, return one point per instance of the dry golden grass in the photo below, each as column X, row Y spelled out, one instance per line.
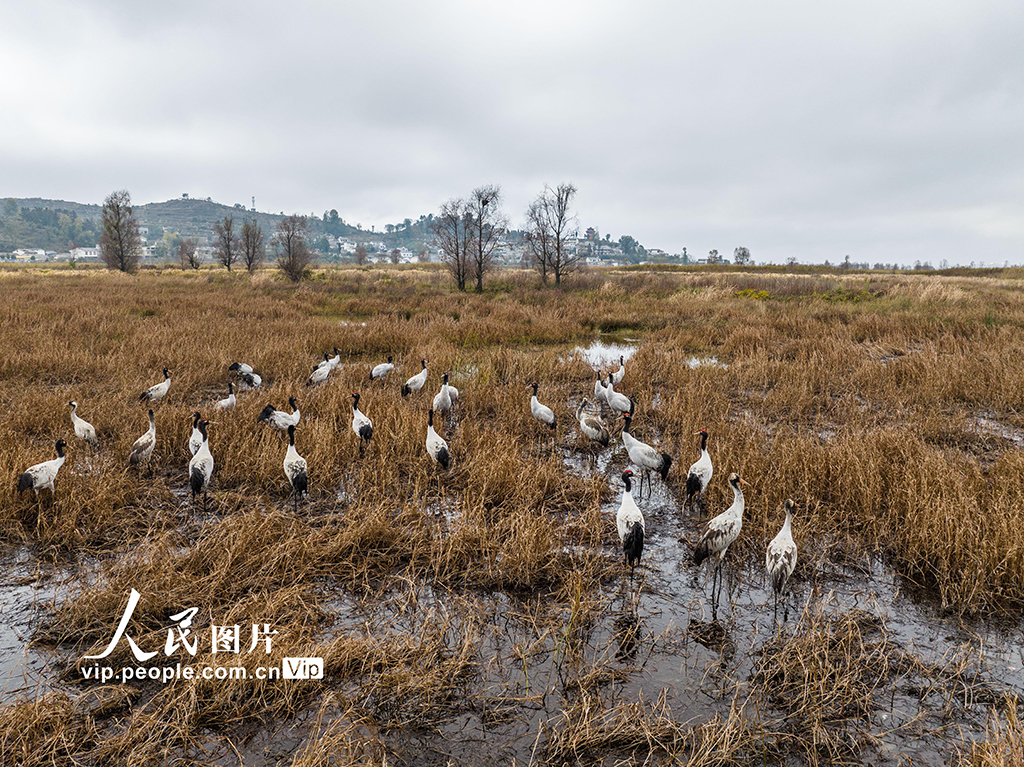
column 888, row 406
column 1004, row 745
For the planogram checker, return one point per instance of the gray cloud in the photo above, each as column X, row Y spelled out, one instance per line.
column 886, row 131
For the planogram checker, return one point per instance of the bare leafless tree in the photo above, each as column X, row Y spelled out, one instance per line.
column 549, row 225
column 227, row 245
column 188, row 254
column 120, row 242
column 361, row 255
column 488, row 224
column 291, row 249
column 253, row 245
column 453, row 233
column 396, row 256
column 423, row 256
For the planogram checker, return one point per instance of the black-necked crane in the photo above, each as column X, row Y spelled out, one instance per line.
column 630, row 523
column 437, row 448
column 200, row 468
column 324, row 363
column 156, row 392
column 295, row 469
column 247, row 374
column 416, row 382
column 618, row 375
column 361, row 425
column 381, row 370
column 279, row 419
column 615, row 400
column 228, row 403
column 542, row 413
column 42, row 475
column 592, row 425
column 320, row 372
column 195, row 439
column 600, row 392
column 699, row 475
column 142, row 449
column 643, row 455
column 83, row 429
column 780, row 558
column 335, row 360
column 444, row 400
column 722, row 531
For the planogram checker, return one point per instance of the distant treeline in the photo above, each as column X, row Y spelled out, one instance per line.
column 46, row 228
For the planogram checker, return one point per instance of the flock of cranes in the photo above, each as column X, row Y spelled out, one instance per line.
column 718, row 534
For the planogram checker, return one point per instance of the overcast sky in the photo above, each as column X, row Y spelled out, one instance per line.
column 889, row 131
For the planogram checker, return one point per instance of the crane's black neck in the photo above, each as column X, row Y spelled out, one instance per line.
column 291, row 436
column 703, row 441
column 627, row 483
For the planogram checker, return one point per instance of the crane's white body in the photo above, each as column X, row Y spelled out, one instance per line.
column 361, row 425
column 722, row 530
column 279, row 419
column 445, row 399
column 251, row 380
column 156, row 392
column 600, row 392
column 702, row 470
column 142, row 449
column 541, row 412
column 699, row 475
column 640, row 453
column 228, row 403
column 42, row 475
column 249, row 377
column 436, row 446
column 619, row 374
column 416, row 382
column 592, row 425
column 615, row 400
column 780, row 558
column 83, row 429
column 200, row 469
column 195, row 439
column 320, row 373
column 381, row 370
column 628, row 512
column 630, row 524
column 295, row 467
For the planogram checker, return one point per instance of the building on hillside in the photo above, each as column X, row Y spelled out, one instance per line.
column 85, row 254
